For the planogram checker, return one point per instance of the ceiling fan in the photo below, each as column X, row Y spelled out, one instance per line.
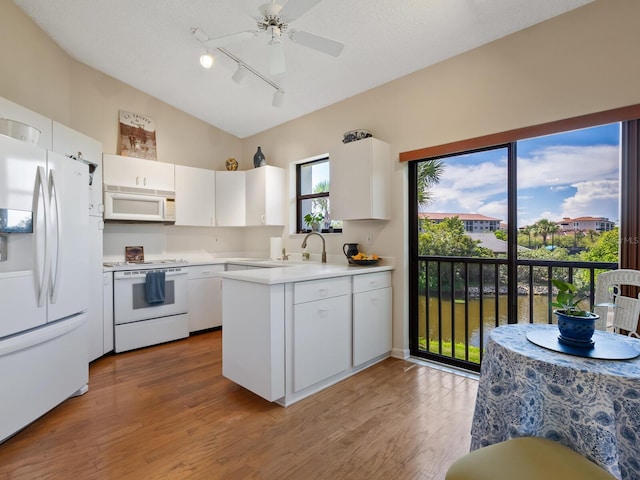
column 274, row 19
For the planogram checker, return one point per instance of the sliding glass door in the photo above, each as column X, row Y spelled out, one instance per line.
column 490, row 227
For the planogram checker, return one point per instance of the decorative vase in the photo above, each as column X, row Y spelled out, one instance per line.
column 258, row 159
column 576, row 331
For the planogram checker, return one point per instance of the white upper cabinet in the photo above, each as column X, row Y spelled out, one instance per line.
column 265, row 196
column 195, row 196
column 138, row 173
column 361, row 180
column 72, row 143
column 230, row 199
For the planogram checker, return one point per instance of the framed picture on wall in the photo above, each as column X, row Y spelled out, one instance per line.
column 134, row 254
column 137, row 136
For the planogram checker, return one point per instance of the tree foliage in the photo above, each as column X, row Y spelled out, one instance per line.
column 429, row 173
column 604, row 249
column 448, row 238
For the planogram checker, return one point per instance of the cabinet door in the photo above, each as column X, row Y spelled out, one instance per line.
column 205, row 297
column 360, row 180
column 321, row 340
column 195, row 196
column 265, row 194
column 137, row 173
column 230, row 199
column 121, row 171
column 371, row 324
column 158, row 175
column 69, row 142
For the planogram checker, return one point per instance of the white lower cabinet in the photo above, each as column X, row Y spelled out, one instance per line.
column 371, row 316
column 205, row 297
column 287, row 341
column 321, row 332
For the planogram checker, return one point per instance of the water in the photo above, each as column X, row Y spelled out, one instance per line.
column 472, row 308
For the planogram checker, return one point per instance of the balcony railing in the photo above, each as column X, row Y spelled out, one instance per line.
column 461, row 299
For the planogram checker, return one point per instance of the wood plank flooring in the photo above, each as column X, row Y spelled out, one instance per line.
column 166, row 412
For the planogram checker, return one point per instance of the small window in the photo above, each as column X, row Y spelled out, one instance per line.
column 312, row 197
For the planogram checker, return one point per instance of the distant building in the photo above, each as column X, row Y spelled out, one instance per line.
column 473, row 222
column 585, row 224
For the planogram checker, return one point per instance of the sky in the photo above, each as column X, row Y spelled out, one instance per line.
column 571, row 174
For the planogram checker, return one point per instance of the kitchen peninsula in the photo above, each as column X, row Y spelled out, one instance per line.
column 292, row 331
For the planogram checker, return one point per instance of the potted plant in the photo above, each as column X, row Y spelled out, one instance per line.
column 575, row 324
column 313, row 220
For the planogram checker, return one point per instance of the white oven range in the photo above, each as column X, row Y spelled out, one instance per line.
column 138, row 323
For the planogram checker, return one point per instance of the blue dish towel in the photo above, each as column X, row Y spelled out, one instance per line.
column 155, row 288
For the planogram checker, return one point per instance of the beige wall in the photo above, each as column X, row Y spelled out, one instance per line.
column 581, row 62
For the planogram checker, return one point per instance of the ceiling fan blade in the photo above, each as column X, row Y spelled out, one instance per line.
column 227, row 39
column 296, row 8
column 322, row 44
column 276, row 57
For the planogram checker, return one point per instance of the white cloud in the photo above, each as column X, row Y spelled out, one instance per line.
column 564, row 165
column 481, row 188
column 596, row 198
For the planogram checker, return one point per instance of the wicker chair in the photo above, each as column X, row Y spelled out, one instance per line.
column 626, row 310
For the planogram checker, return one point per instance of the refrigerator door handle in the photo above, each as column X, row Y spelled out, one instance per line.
column 55, row 268
column 41, row 272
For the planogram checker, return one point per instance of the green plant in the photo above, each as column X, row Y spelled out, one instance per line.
column 568, row 299
column 311, row 218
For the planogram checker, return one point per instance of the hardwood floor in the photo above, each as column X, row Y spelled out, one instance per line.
column 166, row 412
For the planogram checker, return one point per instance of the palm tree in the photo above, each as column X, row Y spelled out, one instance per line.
column 544, row 227
column 429, row 173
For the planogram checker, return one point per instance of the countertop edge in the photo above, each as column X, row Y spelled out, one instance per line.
column 300, row 273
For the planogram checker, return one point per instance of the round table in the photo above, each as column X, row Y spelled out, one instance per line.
column 589, row 405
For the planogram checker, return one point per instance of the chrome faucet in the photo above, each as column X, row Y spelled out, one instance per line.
column 324, row 250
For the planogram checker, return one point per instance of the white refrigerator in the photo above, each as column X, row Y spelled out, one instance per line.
column 43, row 281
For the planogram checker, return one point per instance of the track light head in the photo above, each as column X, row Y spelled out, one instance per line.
column 206, row 60
column 278, row 98
column 240, row 74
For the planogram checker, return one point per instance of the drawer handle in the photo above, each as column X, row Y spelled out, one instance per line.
column 323, row 312
column 373, row 283
column 374, row 300
column 323, row 292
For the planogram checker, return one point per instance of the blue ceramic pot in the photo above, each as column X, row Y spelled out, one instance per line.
column 576, row 331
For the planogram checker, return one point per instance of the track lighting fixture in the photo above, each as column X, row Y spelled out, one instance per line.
column 207, row 60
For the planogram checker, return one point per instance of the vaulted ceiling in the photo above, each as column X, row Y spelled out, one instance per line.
column 150, row 45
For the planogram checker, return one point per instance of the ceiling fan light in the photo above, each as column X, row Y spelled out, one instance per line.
column 240, row 74
column 206, row 60
column 278, row 98
column 276, row 57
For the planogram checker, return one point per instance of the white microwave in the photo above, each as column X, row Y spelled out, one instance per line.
column 134, row 204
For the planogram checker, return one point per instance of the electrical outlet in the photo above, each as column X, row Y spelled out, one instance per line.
column 369, row 238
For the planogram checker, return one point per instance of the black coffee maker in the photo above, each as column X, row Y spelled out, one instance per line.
column 349, row 250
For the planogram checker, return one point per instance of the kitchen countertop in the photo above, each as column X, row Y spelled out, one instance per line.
column 299, row 272
column 270, row 271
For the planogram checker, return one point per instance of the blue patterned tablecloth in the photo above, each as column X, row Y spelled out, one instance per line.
column 589, row 405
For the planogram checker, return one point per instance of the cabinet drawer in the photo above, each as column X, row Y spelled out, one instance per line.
column 204, row 271
column 319, row 289
column 371, row 281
